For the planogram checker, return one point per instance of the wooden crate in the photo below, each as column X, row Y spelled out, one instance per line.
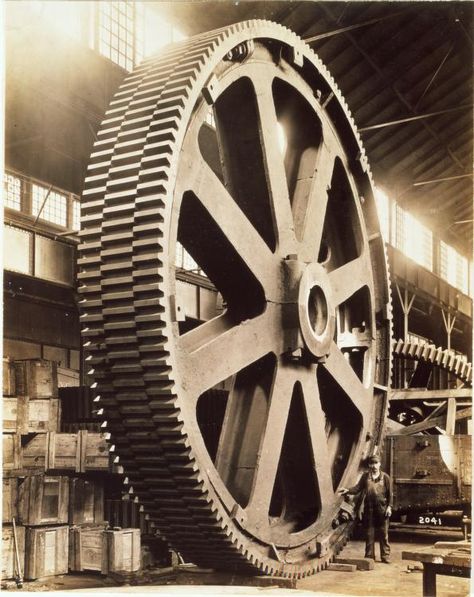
column 43, row 500
column 9, row 499
column 67, row 377
column 43, row 415
column 95, row 452
column 34, row 452
column 36, row 378
column 52, row 452
column 86, row 501
column 64, row 452
column 78, row 452
column 46, row 551
column 8, row 377
column 88, row 549
column 123, row 550
column 15, row 414
column 11, row 452
column 9, row 568
column 31, row 416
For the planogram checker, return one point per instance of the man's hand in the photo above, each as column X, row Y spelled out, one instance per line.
column 388, row 512
column 342, row 491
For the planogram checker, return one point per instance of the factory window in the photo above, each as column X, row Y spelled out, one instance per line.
column 12, row 189
column 17, row 250
column 158, row 32
column 453, row 267
column 49, row 205
column 185, row 261
column 412, row 238
column 418, row 242
column 120, row 32
column 398, row 227
column 383, row 209
column 76, row 214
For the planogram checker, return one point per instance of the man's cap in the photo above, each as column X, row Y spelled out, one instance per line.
column 373, row 459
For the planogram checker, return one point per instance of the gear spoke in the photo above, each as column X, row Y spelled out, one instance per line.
column 270, row 447
column 314, row 216
column 348, row 279
column 233, row 223
column 274, row 161
column 214, row 351
column 344, row 375
column 316, row 426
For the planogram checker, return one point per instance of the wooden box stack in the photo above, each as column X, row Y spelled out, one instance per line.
column 53, row 482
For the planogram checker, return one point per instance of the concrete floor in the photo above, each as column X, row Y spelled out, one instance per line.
column 391, row 580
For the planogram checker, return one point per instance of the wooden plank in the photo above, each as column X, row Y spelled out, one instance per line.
column 422, row 394
column 452, row 544
column 8, row 551
column 44, row 500
column 360, row 563
column 9, row 499
column 451, row 416
column 466, row 413
column 335, row 567
column 11, row 452
column 432, row 555
column 36, row 378
column 8, row 379
column 46, row 551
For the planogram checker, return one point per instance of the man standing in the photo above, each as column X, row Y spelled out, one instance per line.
column 375, row 488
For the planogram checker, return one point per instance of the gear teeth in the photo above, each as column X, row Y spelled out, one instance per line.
column 429, row 353
column 127, row 326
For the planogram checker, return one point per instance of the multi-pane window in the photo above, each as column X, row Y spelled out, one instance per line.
column 76, row 214
column 398, row 227
column 383, row 209
column 49, row 205
column 12, row 191
column 453, row 267
column 121, row 32
column 418, row 242
column 412, row 238
column 184, row 260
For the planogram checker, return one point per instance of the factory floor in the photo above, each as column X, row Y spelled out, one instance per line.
column 391, row 580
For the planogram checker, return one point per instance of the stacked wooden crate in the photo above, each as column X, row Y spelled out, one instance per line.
column 53, row 482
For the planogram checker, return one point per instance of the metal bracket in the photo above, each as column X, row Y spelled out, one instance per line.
column 211, row 90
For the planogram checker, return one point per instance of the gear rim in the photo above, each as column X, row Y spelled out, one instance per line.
column 221, row 43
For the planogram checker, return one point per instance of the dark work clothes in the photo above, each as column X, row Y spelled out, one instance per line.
column 376, row 496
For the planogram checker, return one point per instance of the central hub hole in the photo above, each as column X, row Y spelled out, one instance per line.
column 317, row 310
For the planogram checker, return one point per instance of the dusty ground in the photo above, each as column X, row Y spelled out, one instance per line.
column 386, row 580
column 391, row 580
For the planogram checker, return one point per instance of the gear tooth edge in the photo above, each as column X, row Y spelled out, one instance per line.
column 134, row 82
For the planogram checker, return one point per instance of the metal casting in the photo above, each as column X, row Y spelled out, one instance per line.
column 236, row 433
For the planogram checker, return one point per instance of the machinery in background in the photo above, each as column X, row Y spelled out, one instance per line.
column 429, row 457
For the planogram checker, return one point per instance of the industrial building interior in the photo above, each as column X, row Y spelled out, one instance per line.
column 237, row 265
